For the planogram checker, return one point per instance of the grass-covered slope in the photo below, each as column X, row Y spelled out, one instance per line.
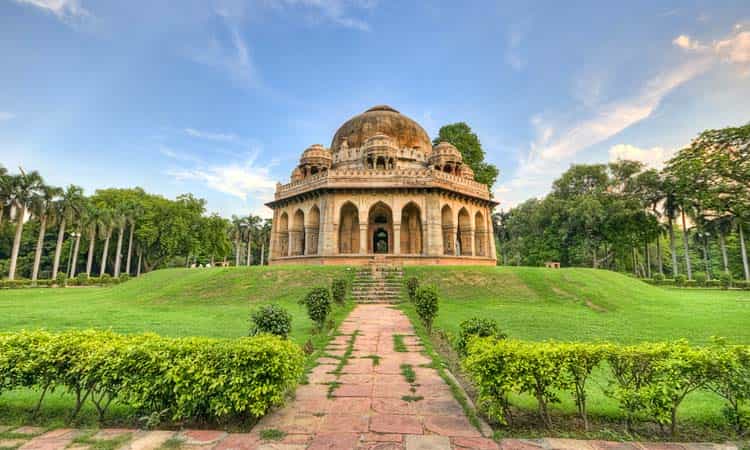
column 584, row 304
column 212, row 302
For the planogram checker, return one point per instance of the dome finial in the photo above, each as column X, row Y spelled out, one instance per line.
column 381, row 108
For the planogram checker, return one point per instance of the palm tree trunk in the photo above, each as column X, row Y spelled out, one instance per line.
column 262, row 253
column 130, row 247
column 635, row 262
column 16, row 243
column 249, row 254
column 58, row 248
column 744, row 254
column 140, row 259
column 90, row 258
column 673, row 249
column 706, row 261
column 75, row 255
column 685, row 237
column 723, row 245
column 39, row 248
column 659, row 255
column 237, row 253
column 103, row 269
column 648, row 260
column 118, row 253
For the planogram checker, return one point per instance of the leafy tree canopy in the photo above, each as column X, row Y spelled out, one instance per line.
column 467, row 142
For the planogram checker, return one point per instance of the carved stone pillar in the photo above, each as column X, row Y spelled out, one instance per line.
column 396, row 238
column 311, row 240
column 294, row 243
column 449, row 240
column 363, row 238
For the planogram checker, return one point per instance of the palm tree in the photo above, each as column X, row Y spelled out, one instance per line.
column 251, row 232
column 68, row 208
column 743, row 249
column 22, row 190
column 121, row 220
column 3, row 193
column 43, row 208
column 236, row 234
column 106, row 223
column 90, row 224
column 135, row 213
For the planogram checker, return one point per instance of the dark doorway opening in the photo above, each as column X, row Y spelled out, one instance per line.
column 380, row 241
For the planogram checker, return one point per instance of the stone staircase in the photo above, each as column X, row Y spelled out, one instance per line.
column 378, row 282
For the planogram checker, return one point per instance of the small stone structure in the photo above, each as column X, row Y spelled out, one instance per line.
column 382, row 190
column 552, row 265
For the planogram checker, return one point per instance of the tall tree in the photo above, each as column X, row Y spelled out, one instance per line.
column 21, row 189
column 68, row 207
column 106, row 224
column 43, row 206
column 467, row 142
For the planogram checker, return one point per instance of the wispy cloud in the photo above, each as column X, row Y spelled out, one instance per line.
column 653, row 157
column 557, row 144
column 230, row 55
column 512, row 48
column 4, row 115
column 241, row 180
column 211, row 136
column 177, row 155
column 64, row 9
column 338, row 12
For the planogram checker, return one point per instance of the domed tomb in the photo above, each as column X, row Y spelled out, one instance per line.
column 406, row 133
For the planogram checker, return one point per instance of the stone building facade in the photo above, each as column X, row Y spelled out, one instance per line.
column 382, row 191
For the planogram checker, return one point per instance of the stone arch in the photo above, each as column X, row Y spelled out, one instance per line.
column 449, row 230
column 312, row 231
column 465, row 233
column 349, row 229
column 411, row 229
column 297, row 233
column 380, row 229
column 480, row 234
column 283, row 234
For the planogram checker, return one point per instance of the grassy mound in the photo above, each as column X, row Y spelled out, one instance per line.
column 584, row 305
column 212, row 302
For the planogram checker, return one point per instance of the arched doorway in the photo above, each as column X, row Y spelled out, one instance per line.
column 349, row 229
column 312, row 231
column 449, row 231
column 297, row 234
column 464, row 233
column 411, row 230
column 283, row 235
column 480, row 235
column 380, row 229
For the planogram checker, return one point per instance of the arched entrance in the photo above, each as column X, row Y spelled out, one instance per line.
column 312, row 231
column 380, row 229
column 297, row 234
column 465, row 233
column 449, row 231
column 349, row 229
column 283, row 235
column 411, row 230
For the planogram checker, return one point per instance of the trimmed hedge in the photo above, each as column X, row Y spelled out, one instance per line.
column 649, row 381
column 192, row 378
column 79, row 280
column 722, row 283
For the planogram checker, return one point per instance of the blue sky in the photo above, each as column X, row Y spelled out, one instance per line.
column 219, row 98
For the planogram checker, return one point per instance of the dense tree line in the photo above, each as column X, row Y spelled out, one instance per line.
column 692, row 216
column 47, row 230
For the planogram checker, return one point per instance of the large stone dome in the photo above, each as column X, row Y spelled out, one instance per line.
column 382, row 119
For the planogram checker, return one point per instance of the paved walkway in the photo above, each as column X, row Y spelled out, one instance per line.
column 357, row 398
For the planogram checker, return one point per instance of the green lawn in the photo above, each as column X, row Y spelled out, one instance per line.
column 585, row 305
column 212, row 302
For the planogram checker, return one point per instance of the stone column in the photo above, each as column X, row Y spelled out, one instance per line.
column 311, row 240
column 433, row 237
column 397, row 238
column 363, row 238
column 471, row 242
column 274, row 236
column 491, row 236
column 328, row 241
column 291, row 242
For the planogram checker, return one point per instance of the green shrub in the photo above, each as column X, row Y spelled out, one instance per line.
column 700, row 278
column 412, row 284
column 123, row 277
column 271, row 319
column 82, row 278
column 680, row 280
column 318, row 304
column 426, row 302
column 237, row 378
column 726, row 280
column 105, row 279
column 338, row 290
column 61, row 279
column 659, row 277
column 476, row 327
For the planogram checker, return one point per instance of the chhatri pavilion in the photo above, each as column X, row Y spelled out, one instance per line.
column 382, row 191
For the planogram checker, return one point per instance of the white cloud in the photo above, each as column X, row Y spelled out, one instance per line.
column 336, row 11
column 211, row 136
column 245, row 181
column 734, row 50
column 171, row 153
column 653, row 157
column 63, row 9
column 4, row 115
